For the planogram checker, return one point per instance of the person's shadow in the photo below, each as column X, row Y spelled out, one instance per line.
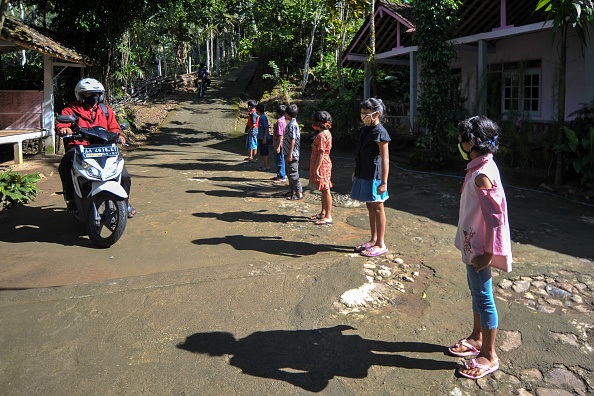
column 310, row 358
column 273, row 245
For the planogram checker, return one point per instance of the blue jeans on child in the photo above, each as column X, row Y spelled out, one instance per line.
column 481, row 290
column 279, row 160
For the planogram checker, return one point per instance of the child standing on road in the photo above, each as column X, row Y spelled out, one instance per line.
column 278, row 131
column 263, row 136
column 370, row 179
column 251, row 130
column 291, row 147
column 483, row 239
column 321, row 166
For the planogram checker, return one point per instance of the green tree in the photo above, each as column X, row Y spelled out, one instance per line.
column 435, row 21
column 345, row 18
column 94, row 27
column 565, row 13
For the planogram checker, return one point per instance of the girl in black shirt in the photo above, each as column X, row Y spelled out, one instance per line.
column 370, row 179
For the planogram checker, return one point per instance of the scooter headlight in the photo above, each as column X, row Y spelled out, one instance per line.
column 91, row 170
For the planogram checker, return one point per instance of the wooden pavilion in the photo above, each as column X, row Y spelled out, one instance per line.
column 26, row 115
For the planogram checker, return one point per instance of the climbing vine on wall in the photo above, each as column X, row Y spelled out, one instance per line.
column 435, row 21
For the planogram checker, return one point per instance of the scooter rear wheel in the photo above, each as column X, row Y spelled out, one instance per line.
column 112, row 220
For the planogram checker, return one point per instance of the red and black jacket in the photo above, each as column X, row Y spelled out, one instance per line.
column 87, row 118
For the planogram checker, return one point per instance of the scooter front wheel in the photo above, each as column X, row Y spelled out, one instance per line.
column 110, row 223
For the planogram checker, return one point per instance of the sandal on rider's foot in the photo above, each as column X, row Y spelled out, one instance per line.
column 131, row 211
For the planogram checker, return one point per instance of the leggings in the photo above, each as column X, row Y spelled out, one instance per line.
column 481, row 290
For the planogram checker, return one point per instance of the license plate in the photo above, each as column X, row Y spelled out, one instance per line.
column 103, row 151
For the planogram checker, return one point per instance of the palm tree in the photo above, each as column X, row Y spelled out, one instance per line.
column 577, row 13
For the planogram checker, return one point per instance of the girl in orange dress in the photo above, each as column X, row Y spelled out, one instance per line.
column 321, row 166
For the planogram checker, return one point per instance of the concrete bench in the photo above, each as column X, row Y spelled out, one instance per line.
column 17, row 136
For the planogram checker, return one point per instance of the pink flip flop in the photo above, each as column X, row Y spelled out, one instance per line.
column 374, row 251
column 360, row 248
column 470, row 350
column 473, row 363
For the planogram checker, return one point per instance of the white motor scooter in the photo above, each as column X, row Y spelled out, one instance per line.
column 96, row 174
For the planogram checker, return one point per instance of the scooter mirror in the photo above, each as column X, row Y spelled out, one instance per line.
column 124, row 125
column 66, row 119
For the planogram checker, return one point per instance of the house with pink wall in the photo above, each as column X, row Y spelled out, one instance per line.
column 507, row 60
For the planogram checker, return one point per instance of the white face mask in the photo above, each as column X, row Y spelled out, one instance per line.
column 368, row 118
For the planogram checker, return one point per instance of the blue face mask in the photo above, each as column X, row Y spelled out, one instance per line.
column 465, row 154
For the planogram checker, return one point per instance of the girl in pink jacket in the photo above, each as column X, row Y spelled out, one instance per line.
column 483, row 239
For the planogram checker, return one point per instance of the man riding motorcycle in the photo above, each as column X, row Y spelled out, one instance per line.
column 91, row 111
column 203, row 73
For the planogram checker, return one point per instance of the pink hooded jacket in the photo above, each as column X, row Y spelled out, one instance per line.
column 483, row 225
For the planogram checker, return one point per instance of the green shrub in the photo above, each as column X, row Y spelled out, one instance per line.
column 579, row 145
column 580, row 151
column 284, row 85
column 16, row 190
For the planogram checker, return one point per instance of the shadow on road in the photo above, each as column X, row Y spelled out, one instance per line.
column 251, row 217
column 310, row 358
column 43, row 224
column 273, row 245
column 268, row 193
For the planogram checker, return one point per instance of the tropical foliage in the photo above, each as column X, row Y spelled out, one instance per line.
column 16, row 190
column 565, row 13
column 434, row 22
column 132, row 39
column 579, row 145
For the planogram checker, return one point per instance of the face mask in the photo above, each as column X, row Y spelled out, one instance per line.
column 91, row 100
column 367, row 118
column 465, row 154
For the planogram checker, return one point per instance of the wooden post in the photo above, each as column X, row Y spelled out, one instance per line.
column 18, row 153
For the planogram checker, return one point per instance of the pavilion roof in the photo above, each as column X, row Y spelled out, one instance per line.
column 16, row 35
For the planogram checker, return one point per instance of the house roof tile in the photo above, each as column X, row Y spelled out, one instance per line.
column 475, row 16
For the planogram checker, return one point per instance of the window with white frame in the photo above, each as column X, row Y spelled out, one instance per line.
column 522, row 88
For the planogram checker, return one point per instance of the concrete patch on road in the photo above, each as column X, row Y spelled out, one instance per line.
column 388, row 287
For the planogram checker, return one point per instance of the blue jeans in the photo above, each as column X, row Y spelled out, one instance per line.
column 481, row 290
column 279, row 160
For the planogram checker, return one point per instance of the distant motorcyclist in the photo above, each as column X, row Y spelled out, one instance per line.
column 91, row 111
column 203, row 73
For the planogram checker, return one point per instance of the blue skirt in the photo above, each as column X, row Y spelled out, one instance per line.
column 365, row 190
